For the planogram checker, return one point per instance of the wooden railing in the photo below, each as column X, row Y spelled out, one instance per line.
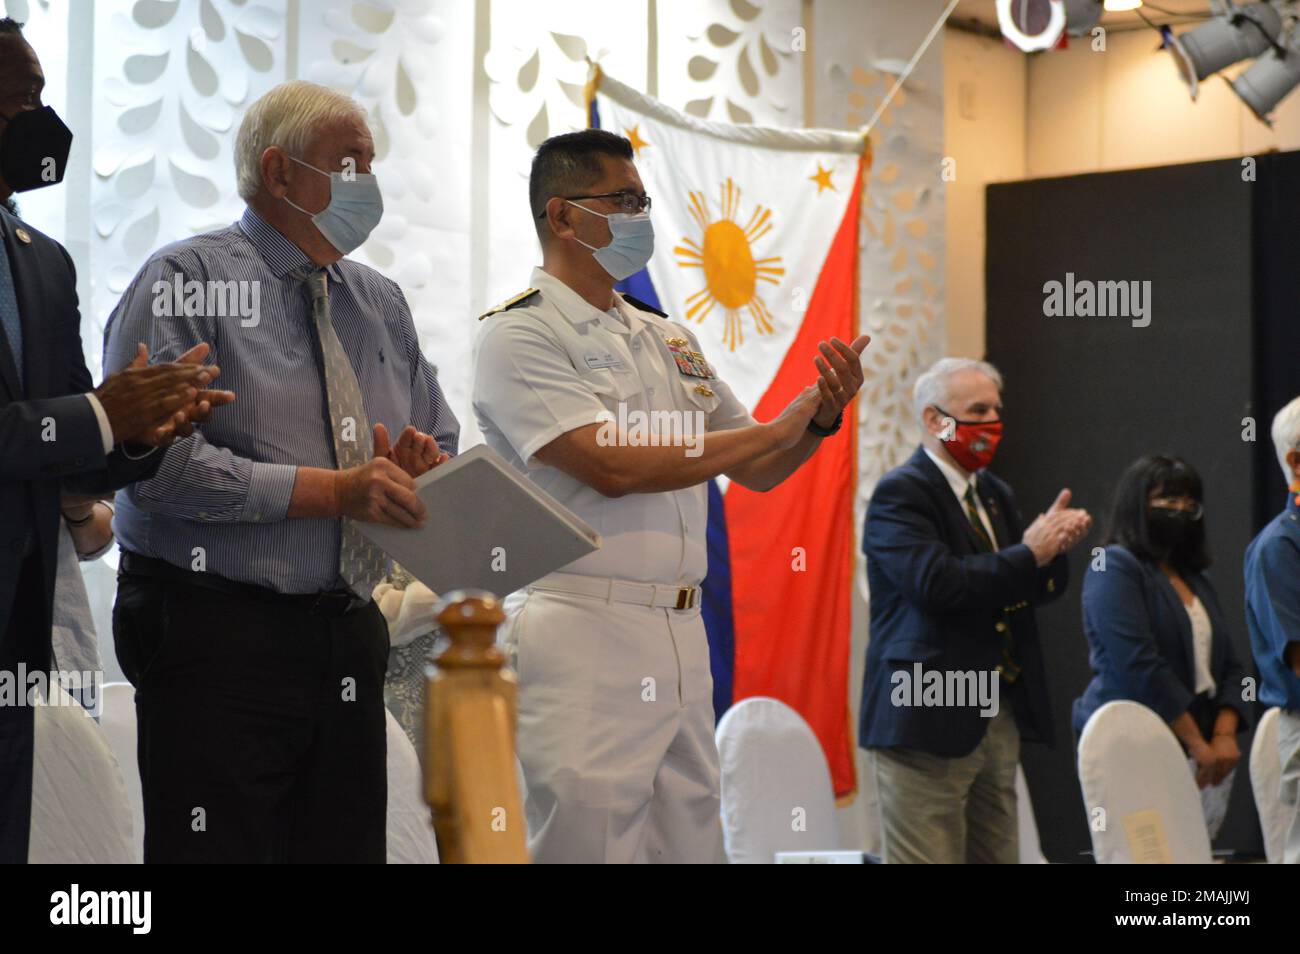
column 470, row 777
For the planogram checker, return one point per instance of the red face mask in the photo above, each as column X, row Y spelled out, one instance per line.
column 972, row 443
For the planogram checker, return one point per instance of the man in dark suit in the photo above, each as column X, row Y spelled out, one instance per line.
column 954, row 674
column 57, row 433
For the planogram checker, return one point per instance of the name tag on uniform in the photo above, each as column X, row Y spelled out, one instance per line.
column 597, row 361
column 688, row 362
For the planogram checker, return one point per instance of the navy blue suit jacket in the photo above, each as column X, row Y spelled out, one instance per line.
column 937, row 598
column 1140, row 641
column 34, row 470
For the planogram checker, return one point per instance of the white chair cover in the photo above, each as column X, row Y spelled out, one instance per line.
column 80, row 813
column 776, row 785
column 1031, row 851
column 117, row 719
column 410, row 830
column 1266, row 781
column 1133, row 770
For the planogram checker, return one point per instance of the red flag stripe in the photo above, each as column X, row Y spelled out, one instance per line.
column 793, row 625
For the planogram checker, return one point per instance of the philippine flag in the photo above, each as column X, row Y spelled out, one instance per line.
column 757, row 246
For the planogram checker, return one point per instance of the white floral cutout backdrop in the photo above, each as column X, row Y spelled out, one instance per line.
column 459, row 93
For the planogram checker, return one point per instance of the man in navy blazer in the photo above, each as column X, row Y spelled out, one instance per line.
column 57, row 432
column 954, row 672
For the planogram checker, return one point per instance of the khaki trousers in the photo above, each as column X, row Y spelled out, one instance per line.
column 1288, row 750
column 936, row 810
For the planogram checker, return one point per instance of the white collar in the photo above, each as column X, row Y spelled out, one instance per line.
column 578, row 310
column 570, row 304
column 956, row 480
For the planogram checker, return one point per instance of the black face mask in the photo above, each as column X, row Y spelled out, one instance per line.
column 1170, row 528
column 34, row 151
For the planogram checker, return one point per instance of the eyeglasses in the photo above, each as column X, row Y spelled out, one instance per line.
column 1185, row 504
column 627, row 201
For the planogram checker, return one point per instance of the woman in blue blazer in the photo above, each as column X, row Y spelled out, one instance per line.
column 1155, row 631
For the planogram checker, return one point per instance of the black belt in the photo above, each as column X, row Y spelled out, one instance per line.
column 326, row 603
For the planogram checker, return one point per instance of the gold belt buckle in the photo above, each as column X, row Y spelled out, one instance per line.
column 685, row 597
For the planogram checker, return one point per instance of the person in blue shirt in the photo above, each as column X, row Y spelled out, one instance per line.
column 1155, row 631
column 1273, row 617
column 244, row 614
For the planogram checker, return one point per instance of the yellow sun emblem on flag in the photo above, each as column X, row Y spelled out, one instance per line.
column 731, row 272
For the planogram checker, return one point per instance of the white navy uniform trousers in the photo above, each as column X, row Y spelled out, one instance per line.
column 615, row 695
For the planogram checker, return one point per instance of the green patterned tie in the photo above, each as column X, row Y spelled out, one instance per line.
column 973, row 514
column 361, row 563
column 1010, row 669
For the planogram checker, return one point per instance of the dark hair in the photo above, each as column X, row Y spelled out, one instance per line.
column 1167, row 475
column 568, row 164
column 11, row 27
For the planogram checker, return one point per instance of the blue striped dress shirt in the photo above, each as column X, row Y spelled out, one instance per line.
column 221, row 496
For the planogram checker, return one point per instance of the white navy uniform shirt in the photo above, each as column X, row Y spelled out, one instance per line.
column 556, row 363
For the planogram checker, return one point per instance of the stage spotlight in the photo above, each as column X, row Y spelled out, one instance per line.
column 1032, row 25
column 1081, row 16
column 1268, row 80
column 1239, row 34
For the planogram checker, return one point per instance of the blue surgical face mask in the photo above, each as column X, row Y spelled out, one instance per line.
column 631, row 243
column 354, row 210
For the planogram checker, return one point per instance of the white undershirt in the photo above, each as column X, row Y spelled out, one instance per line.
column 1201, row 635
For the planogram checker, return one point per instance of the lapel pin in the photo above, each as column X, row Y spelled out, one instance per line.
column 702, row 389
column 23, row 236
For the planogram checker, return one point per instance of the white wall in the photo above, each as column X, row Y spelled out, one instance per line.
column 1091, row 110
column 984, row 93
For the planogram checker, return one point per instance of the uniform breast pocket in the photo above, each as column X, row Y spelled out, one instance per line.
column 614, row 386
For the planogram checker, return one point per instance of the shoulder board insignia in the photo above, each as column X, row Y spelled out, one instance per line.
column 517, row 301
column 638, row 303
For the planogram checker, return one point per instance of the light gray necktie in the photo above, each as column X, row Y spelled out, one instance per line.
column 361, row 563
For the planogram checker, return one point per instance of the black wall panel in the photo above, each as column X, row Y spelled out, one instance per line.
column 1085, row 396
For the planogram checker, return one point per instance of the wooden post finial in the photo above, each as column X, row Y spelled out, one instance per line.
column 471, row 783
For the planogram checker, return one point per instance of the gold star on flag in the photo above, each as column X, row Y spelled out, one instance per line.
column 634, row 137
column 823, row 179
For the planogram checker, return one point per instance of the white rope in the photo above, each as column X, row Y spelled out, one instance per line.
column 916, row 58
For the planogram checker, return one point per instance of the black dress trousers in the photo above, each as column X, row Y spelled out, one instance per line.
column 261, row 728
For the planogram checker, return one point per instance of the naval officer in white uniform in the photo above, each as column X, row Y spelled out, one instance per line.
column 616, row 718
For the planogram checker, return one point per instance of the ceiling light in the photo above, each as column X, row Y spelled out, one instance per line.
column 1032, row 25
column 1242, row 33
column 1267, row 81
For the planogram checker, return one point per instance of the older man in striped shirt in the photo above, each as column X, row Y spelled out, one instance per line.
column 243, row 615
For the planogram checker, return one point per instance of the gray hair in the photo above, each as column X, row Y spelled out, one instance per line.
column 1286, row 434
column 932, row 386
column 287, row 116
